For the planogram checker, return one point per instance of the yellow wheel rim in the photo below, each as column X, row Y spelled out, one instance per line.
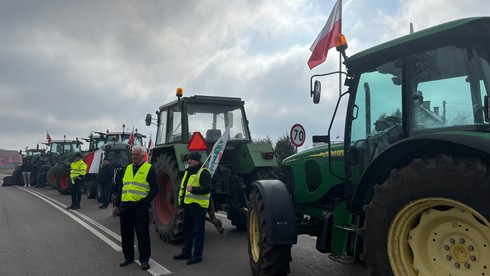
column 254, row 234
column 439, row 236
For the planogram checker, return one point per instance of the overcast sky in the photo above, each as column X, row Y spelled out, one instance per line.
column 71, row 67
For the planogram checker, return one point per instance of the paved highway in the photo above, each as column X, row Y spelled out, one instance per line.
column 39, row 237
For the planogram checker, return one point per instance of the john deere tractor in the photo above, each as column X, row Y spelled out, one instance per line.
column 197, row 123
column 406, row 192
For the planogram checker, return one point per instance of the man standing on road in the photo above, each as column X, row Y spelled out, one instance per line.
column 132, row 203
column 105, row 182
column 26, row 172
column 194, row 194
column 78, row 169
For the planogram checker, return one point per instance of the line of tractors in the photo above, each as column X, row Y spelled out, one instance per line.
column 52, row 167
column 405, row 193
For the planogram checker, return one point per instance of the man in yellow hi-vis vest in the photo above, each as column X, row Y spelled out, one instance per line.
column 194, row 195
column 78, row 169
column 140, row 185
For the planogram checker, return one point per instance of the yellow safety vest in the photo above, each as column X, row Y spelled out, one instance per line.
column 135, row 187
column 77, row 168
column 194, row 180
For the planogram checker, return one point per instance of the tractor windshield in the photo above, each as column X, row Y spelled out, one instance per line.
column 443, row 88
column 211, row 120
column 118, row 158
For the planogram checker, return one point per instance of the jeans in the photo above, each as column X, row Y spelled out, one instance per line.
column 194, row 234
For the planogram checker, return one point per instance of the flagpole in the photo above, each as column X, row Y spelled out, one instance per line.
column 340, row 54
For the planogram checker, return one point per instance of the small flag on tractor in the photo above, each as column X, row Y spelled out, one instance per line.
column 217, row 151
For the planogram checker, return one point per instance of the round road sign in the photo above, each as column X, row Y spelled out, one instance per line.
column 298, row 135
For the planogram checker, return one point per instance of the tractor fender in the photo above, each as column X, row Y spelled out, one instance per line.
column 279, row 211
column 422, row 146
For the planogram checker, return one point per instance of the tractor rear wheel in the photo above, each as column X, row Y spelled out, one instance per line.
column 265, row 258
column 167, row 214
column 90, row 189
column 430, row 218
column 64, row 181
column 7, row 181
column 51, row 177
column 17, row 176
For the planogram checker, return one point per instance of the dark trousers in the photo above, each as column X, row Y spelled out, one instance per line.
column 136, row 219
column 105, row 190
column 76, row 193
column 194, row 234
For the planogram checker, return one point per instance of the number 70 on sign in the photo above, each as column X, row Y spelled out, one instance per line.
column 297, row 135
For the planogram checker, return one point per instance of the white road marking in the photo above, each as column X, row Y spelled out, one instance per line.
column 155, row 268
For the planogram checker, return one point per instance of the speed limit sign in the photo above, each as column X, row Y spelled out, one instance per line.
column 298, row 135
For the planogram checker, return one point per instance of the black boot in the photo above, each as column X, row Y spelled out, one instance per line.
column 76, row 205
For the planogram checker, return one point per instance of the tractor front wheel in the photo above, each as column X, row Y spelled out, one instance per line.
column 430, row 218
column 265, row 258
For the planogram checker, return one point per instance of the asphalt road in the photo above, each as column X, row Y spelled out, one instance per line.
column 39, row 237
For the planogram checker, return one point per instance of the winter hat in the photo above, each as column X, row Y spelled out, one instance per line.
column 195, row 155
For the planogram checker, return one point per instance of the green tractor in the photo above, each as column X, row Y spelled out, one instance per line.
column 97, row 143
column 406, row 192
column 62, row 153
column 196, row 123
column 38, row 160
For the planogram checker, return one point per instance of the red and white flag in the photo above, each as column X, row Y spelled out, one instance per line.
column 149, row 143
column 93, row 161
column 48, row 137
column 131, row 138
column 326, row 38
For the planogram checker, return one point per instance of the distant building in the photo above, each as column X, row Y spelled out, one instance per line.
column 9, row 159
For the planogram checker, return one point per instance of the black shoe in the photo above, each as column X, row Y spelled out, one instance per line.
column 69, row 207
column 181, row 257
column 103, row 206
column 193, row 260
column 75, row 207
column 145, row 265
column 125, row 263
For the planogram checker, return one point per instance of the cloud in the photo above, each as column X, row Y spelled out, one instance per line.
column 71, row 67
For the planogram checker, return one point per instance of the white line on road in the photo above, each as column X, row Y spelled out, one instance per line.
column 155, row 268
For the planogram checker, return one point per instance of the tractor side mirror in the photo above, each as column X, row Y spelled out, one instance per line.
column 148, row 119
column 317, row 91
column 487, row 108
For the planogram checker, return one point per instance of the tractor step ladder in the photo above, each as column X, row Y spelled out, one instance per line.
column 351, row 228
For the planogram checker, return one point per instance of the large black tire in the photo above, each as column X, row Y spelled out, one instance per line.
column 431, row 217
column 63, row 181
column 167, row 214
column 98, row 191
column 7, row 181
column 17, row 178
column 52, row 177
column 90, row 189
column 238, row 216
column 265, row 258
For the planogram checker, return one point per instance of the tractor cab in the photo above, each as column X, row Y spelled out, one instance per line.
column 201, row 117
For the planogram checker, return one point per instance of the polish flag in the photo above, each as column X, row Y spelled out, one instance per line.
column 149, row 143
column 93, row 161
column 131, row 138
column 326, row 38
column 48, row 137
